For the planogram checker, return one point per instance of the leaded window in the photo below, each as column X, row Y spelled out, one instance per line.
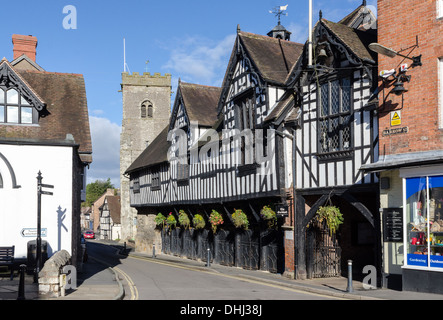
column 335, row 116
column 14, row 108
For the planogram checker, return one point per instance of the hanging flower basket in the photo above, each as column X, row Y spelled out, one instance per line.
column 215, row 219
column 183, row 219
column 331, row 215
column 170, row 220
column 160, row 220
column 270, row 216
column 240, row 219
column 198, row 221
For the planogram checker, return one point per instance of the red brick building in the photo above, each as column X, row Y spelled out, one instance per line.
column 411, row 143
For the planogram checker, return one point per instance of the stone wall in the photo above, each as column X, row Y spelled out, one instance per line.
column 138, row 131
column 49, row 276
column 147, row 235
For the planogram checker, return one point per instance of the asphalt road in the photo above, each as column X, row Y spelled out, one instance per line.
column 155, row 280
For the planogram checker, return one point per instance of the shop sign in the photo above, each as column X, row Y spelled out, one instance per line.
column 393, row 225
column 282, row 210
column 388, row 132
column 420, row 260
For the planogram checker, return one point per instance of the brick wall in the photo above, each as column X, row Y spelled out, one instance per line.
column 398, row 26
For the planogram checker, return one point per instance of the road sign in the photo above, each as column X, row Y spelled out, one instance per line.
column 32, row 232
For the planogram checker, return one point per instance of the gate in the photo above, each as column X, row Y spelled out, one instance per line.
column 224, row 248
column 323, row 253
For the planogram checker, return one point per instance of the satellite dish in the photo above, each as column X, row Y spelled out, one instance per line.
column 376, row 47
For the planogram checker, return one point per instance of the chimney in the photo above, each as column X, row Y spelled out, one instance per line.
column 24, row 45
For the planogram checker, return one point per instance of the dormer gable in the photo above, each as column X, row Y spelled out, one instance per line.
column 19, row 103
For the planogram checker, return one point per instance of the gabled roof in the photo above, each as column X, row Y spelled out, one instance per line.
column 66, row 104
column 24, row 62
column 355, row 40
column 200, row 102
column 114, row 208
column 154, row 154
column 272, row 57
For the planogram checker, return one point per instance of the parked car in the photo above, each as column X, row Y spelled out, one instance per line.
column 89, row 234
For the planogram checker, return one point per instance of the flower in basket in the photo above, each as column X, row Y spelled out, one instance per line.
column 170, row 220
column 331, row 215
column 198, row 221
column 240, row 219
column 160, row 220
column 215, row 219
column 183, row 219
column 269, row 215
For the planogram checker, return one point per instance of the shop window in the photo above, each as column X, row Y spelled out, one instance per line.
column 424, row 221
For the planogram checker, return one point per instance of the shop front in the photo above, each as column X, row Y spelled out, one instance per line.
column 423, row 229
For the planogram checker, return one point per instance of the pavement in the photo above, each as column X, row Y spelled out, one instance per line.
column 97, row 281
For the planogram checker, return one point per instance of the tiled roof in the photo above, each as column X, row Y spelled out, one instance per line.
column 200, row 102
column 65, row 98
column 356, row 40
column 155, row 153
column 273, row 57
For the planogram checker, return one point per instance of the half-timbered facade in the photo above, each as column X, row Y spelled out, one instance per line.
column 337, row 133
column 278, row 132
column 220, row 150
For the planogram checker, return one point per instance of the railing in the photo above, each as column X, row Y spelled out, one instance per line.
column 248, row 249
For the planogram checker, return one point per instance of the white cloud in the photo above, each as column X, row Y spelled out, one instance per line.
column 105, row 137
column 200, row 60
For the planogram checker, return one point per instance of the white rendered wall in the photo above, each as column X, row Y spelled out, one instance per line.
column 18, row 207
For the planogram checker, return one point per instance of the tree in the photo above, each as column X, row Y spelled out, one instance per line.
column 95, row 189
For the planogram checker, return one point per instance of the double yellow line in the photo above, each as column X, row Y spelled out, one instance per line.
column 131, row 284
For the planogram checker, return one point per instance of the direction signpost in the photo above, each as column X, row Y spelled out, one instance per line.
column 39, row 229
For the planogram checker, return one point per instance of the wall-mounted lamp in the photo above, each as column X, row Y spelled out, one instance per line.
column 399, row 89
column 376, row 47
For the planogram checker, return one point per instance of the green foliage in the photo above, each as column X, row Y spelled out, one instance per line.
column 160, row 220
column 215, row 219
column 94, row 190
column 332, row 216
column 198, row 221
column 170, row 220
column 240, row 219
column 269, row 215
column 183, row 219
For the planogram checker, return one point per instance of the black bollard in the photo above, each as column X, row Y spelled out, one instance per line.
column 349, row 288
column 153, row 251
column 209, row 258
column 21, row 286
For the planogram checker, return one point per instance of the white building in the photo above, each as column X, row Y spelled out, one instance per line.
column 44, row 127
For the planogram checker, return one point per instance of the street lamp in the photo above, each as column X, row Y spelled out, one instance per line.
column 376, row 47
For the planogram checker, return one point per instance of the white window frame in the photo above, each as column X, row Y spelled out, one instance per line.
column 440, row 89
column 439, row 9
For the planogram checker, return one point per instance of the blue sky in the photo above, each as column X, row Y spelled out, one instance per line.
column 192, row 40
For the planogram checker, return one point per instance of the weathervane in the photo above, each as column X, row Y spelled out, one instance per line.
column 279, row 11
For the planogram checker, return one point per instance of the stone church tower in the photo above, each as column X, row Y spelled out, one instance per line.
column 146, row 111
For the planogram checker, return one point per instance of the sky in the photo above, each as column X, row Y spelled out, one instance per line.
column 192, row 40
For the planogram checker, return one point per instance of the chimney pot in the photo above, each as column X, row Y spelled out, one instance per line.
column 24, row 45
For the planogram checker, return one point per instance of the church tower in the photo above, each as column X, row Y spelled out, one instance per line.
column 146, row 112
